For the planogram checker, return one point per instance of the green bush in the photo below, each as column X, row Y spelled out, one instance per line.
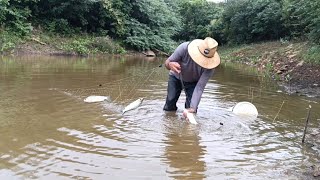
column 199, row 19
column 13, row 17
column 106, row 45
column 248, row 21
column 151, row 25
column 8, row 40
column 302, row 19
column 60, row 26
column 159, row 24
column 79, row 46
column 85, row 45
column 313, row 55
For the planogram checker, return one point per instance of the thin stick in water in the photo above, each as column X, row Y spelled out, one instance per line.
column 306, row 125
column 252, row 95
column 278, row 111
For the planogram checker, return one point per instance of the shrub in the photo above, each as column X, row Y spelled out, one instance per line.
column 313, row 55
column 106, row 45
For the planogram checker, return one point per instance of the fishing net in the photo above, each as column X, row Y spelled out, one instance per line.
column 135, row 84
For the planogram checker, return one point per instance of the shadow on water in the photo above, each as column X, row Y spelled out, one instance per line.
column 48, row 131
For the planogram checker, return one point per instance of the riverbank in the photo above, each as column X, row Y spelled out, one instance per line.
column 294, row 65
column 55, row 45
column 291, row 64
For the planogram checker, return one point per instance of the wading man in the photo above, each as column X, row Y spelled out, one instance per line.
column 191, row 66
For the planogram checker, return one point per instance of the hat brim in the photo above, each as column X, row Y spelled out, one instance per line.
column 201, row 60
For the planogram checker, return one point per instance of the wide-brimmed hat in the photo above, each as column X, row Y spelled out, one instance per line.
column 204, row 52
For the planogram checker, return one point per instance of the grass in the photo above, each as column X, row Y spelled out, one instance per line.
column 226, row 52
column 8, row 40
column 247, row 53
column 294, row 62
column 312, row 54
column 265, row 53
column 83, row 44
column 271, row 51
column 80, row 44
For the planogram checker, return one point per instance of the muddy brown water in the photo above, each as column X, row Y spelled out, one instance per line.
column 49, row 132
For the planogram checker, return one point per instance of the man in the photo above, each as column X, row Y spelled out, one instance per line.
column 191, row 66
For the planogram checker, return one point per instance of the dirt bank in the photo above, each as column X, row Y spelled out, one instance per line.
column 39, row 48
column 285, row 63
column 66, row 47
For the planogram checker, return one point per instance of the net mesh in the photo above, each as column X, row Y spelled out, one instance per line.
column 117, row 90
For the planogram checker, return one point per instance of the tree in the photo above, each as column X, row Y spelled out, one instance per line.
column 75, row 16
column 302, row 19
column 198, row 16
column 247, row 21
column 151, row 25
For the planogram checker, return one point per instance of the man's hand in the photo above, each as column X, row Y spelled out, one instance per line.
column 189, row 110
column 189, row 115
column 174, row 66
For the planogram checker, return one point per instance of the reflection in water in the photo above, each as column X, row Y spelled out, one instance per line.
column 183, row 151
column 49, row 132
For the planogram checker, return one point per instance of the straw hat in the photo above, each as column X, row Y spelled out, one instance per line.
column 204, row 52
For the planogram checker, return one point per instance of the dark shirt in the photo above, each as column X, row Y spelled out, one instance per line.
column 191, row 72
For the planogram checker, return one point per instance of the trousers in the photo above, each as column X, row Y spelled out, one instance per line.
column 174, row 90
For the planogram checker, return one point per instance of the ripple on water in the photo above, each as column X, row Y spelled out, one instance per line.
column 56, row 135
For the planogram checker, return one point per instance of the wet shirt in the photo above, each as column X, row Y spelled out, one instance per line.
column 191, row 72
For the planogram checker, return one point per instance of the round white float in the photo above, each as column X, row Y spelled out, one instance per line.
column 245, row 108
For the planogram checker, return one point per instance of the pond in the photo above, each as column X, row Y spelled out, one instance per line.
column 49, row 132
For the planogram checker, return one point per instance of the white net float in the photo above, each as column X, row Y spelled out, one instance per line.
column 245, row 108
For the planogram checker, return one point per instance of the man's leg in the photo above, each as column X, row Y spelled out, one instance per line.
column 173, row 93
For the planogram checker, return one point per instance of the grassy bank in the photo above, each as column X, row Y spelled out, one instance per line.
column 254, row 54
column 54, row 44
column 8, row 41
column 294, row 64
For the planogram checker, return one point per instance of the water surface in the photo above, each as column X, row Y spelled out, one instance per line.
column 49, row 132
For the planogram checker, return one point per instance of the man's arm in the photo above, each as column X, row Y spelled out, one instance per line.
column 172, row 63
column 166, row 63
column 197, row 93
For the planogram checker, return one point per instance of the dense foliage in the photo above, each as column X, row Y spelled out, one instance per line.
column 302, row 19
column 248, row 21
column 161, row 24
column 14, row 15
column 198, row 17
column 151, row 24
